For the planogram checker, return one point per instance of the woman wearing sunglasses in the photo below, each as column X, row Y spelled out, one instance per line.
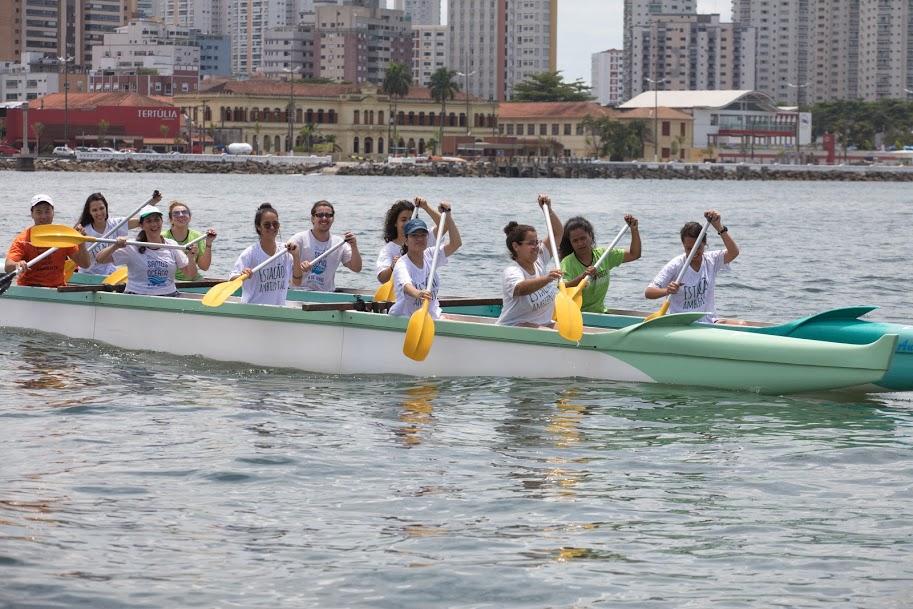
column 321, row 277
column 181, row 233
column 270, row 284
column 528, row 286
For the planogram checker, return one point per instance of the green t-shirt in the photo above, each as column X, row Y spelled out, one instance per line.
column 595, row 290
column 201, row 249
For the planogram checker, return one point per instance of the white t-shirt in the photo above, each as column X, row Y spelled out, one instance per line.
column 535, row 308
column 269, row 285
column 151, row 272
column 697, row 287
column 107, row 268
column 391, row 250
column 405, row 272
column 322, row 277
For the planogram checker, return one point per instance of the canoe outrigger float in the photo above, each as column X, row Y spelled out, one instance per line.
column 670, row 350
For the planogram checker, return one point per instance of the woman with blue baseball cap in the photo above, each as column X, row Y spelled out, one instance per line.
column 410, row 273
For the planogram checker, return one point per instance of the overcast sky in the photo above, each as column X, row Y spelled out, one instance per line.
column 589, row 26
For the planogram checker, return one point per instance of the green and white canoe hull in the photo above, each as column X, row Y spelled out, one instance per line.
column 669, row 350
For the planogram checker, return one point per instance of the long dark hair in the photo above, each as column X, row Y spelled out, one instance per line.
column 264, row 207
column 392, row 214
column 86, row 218
column 564, row 248
column 692, row 229
column 515, row 234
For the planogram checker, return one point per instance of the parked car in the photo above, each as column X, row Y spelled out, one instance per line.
column 107, row 149
column 7, row 150
column 83, row 149
column 149, row 150
column 128, row 150
column 64, row 151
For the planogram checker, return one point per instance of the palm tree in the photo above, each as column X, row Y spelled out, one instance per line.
column 444, row 87
column 37, row 128
column 307, row 133
column 396, row 84
column 102, row 131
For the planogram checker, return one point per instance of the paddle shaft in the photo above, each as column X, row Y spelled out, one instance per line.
column 602, row 258
column 694, row 248
column 437, row 250
column 126, row 219
column 546, row 209
column 282, row 251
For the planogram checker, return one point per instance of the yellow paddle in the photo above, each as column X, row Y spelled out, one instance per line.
column 69, row 266
column 120, row 274
column 420, row 331
column 386, row 292
column 59, row 235
column 568, row 318
column 697, row 243
column 576, row 292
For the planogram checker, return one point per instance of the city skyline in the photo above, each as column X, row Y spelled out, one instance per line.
column 578, row 40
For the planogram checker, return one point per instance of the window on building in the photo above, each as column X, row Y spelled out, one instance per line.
column 510, row 129
column 681, row 129
column 555, row 128
column 567, row 128
column 666, row 128
column 579, row 130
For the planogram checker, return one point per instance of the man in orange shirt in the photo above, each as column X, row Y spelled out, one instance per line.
column 48, row 272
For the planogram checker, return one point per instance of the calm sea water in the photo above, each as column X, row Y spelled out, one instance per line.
column 134, row 479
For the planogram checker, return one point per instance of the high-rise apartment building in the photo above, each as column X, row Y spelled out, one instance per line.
column 58, row 27
column 691, row 52
column 501, row 44
column 248, row 22
column 637, row 14
column 358, row 41
column 291, row 51
column 607, row 76
column 430, row 51
column 818, row 50
column 421, row 12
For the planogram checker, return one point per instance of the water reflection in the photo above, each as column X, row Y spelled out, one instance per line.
column 564, row 428
column 416, row 415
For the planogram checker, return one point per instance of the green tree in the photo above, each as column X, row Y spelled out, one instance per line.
column 432, row 143
column 102, row 131
column 550, row 87
column 618, row 140
column 307, row 133
column 444, row 87
column 397, row 81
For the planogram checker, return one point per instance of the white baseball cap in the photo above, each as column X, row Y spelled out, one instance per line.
column 148, row 211
column 42, row 198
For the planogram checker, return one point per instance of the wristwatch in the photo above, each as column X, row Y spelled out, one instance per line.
column 725, row 229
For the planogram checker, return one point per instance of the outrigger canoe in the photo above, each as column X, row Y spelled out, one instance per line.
column 841, row 325
column 669, row 350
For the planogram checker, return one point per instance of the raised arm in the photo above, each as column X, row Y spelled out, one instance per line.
column 451, row 229
column 633, row 251
column 716, row 221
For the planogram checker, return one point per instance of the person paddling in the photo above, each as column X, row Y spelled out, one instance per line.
column 394, row 237
column 96, row 222
column 321, row 277
column 410, row 274
column 269, row 285
column 579, row 255
column 180, row 232
column 528, row 287
column 696, row 290
column 49, row 270
column 150, row 270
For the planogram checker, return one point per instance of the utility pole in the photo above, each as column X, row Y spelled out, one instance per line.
column 466, row 93
column 798, row 89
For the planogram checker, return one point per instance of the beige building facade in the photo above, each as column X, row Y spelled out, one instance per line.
column 355, row 119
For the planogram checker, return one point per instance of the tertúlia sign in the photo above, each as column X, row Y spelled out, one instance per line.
column 160, row 113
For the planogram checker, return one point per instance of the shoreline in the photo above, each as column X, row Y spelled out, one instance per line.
column 487, row 169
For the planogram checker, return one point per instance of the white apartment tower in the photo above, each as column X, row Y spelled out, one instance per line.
column 422, row 12
column 248, row 22
column 608, row 76
column 502, row 43
column 819, row 50
column 430, row 51
column 637, row 14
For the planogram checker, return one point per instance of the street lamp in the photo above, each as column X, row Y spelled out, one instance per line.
column 798, row 94
column 466, row 93
column 656, row 82
column 66, row 102
column 289, row 141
